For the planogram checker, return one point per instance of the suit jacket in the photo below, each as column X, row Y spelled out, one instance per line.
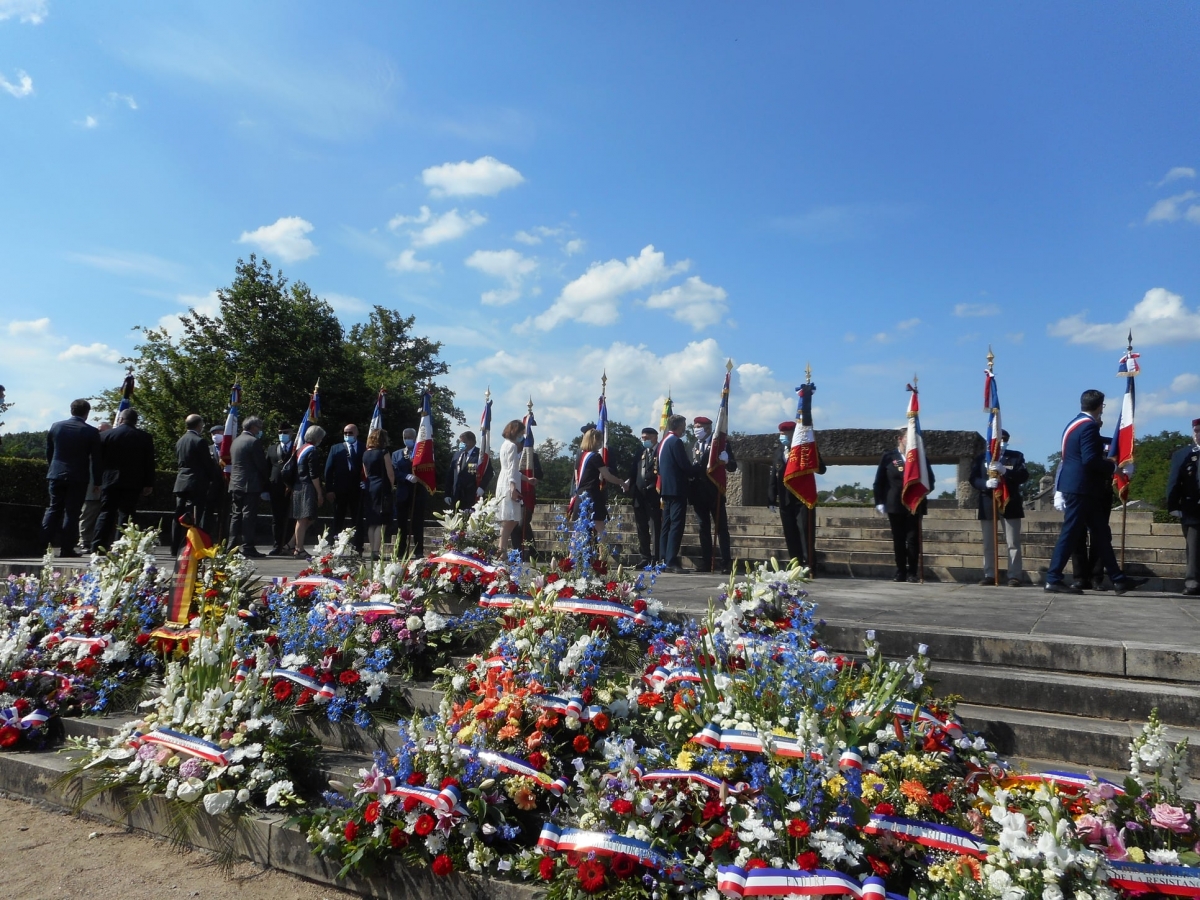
column 1183, row 484
column 463, row 478
column 402, row 464
column 1084, row 468
column 643, row 479
column 249, row 470
column 126, row 459
column 1015, row 476
column 777, row 492
column 197, row 469
column 889, row 481
column 343, row 469
column 277, row 455
column 701, row 490
column 73, row 451
column 674, row 467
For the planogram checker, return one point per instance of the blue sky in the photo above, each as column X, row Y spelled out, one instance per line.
column 554, row 190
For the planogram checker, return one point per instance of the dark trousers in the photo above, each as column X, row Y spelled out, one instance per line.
column 522, row 536
column 213, row 511
column 1086, row 564
column 1083, row 513
column 347, row 513
column 795, row 518
column 117, row 506
column 705, row 515
column 243, row 513
column 648, row 516
column 61, row 521
column 283, row 527
column 904, row 542
column 1191, row 578
column 674, row 509
column 410, row 521
column 190, row 504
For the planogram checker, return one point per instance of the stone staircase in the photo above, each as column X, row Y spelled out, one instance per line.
column 856, row 542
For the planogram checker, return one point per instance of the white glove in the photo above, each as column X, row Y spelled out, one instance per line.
column 773, row 509
column 1128, row 469
column 478, row 492
column 724, row 457
column 1177, row 513
column 881, row 509
column 999, row 468
column 1060, row 502
column 993, row 483
column 411, row 479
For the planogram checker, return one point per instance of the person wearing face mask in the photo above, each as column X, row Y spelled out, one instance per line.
column 647, row 505
column 410, row 499
column 905, row 525
column 197, row 471
column 1011, row 468
column 216, row 509
column 380, row 477
column 1183, row 502
column 1083, row 473
column 706, row 499
column 282, row 526
column 344, row 483
column 798, row 521
column 249, row 473
column 465, row 483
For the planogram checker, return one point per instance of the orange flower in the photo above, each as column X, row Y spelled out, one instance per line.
column 525, row 799
column 967, row 865
column 508, row 732
column 914, row 791
column 535, row 740
column 650, row 700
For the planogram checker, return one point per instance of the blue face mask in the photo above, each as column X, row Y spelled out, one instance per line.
column 647, row 443
column 285, row 439
column 783, row 439
column 410, row 443
column 350, row 439
column 462, row 446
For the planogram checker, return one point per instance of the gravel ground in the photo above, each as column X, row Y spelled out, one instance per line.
column 50, row 855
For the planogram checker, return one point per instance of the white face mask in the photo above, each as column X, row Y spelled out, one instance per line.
column 700, row 432
column 217, row 439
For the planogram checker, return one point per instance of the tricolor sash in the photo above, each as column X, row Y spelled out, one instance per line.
column 448, row 800
column 35, row 719
column 514, row 765
column 564, row 840
column 454, row 558
column 586, row 607
column 734, row 881
column 717, row 784
column 569, row 707
column 927, row 834
column 1141, row 878
column 327, row 691
column 183, row 743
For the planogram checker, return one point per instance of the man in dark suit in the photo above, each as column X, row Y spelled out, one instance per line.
column 344, row 483
column 409, row 500
column 797, row 519
column 647, row 506
column 215, row 504
column 197, row 472
column 73, row 451
column 1083, row 473
column 706, row 498
column 1010, row 467
column 1183, row 502
column 249, row 472
column 889, row 485
column 281, row 521
column 674, row 472
column 1087, row 566
column 127, row 473
column 464, row 485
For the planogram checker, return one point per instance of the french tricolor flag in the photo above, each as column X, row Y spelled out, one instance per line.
column 423, row 452
column 231, row 425
column 1121, row 452
column 918, row 480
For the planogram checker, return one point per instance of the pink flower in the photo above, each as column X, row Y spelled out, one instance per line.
column 1090, row 828
column 1164, row 815
column 376, row 635
column 1116, row 847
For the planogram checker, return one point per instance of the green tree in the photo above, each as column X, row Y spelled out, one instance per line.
column 624, row 447
column 557, row 469
column 1030, row 488
column 1152, row 464
column 24, row 444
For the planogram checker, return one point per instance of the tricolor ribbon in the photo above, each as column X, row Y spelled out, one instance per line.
column 1069, row 782
column 328, row 691
column 571, row 707
column 587, row 607
column 1141, row 878
column 734, row 881
column 746, row 741
column 717, row 784
column 366, row 607
column 89, row 641
column 35, row 719
column 305, row 586
column 183, row 743
column 454, row 558
column 514, row 765
column 565, row 840
column 448, row 800
column 927, row 834
column 662, row 676
column 502, row 601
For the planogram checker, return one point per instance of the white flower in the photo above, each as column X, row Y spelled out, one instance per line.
column 218, row 802
column 1052, row 892
column 414, row 623
column 189, row 791
column 433, row 622
column 1163, row 857
column 277, row 790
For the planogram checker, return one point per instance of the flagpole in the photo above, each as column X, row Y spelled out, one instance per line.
column 811, row 512
column 1125, row 500
column 920, row 521
column 991, row 358
column 720, row 494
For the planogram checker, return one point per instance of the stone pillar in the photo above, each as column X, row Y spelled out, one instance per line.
column 964, row 493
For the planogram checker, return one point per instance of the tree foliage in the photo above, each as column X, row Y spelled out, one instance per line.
column 24, row 445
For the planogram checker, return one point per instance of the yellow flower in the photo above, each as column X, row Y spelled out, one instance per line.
column 835, row 784
column 684, row 761
column 1137, row 854
column 721, row 768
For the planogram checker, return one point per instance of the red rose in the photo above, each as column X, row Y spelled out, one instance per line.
column 623, row 865
column 566, row 564
column 326, row 678
column 551, row 578
column 798, row 828
column 271, row 640
column 941, row 802
column 546, row 868
column 142, row 639
column 712, row 809
column 95, row 650
column 639, row 605
column 398, row 839
column 581, row 743
column 622, row 807
column 87, row 666
column 885, row 809
column 567, row 593
column 371, row 813
column 424, row 824
column 282, row 690
column 416, row 779
column 411, row 803
column 443, row 865
column 9, row 736
column 349, row 677
column 591, row 875
column 537, row 760
column 351, row 831
column 449, row 782
column 598, row 623
column 306, row 696
column 808, row 861
column 22, row 706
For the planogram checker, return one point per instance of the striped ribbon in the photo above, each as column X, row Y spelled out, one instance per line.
column 183, row 743
column 907, row 710
column 35, row 719
column 305, row 586
column 927, row 834
column 1141, row 878
column 717, row 784
column 328, row 691
column 586, row 607
column 514, row 765
column 454, row 558
column 564, row 840
column 502, row 601
column 746, row 741
column 364, row 608
column 448, row 800
column 572, row 707
column 734, row 881
column 88, row 641
column 662, row 676
column 1068, row 782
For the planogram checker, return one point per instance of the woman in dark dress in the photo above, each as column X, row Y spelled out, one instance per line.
column 590, row 475
column 381, row 481
column 307, row 495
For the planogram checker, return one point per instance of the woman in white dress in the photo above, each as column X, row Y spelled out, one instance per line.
column 510, row 482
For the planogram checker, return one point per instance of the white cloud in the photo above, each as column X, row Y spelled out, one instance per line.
column 119, row 262
column 507, row 264
column 22, row 88
column 594, row 297
column 1160, row 317
column 968, row 310
column 695, row 302
column 845, row 221
column 1185, row 382
column 123, row 98
column 886, row 337
column 1168, row 209
column 573, row 246
column 1154, row 405
column 407, row 262
column 206, row 304
column 447, row 227
column 344, row 303
column 32, row 12
column 419, row 219
column 31, row 327
column 487, row 176
column 89, row 122
column 752, row 375
column 284, row 239
column 1176, row 173
column 97, row 353
column 534, row 236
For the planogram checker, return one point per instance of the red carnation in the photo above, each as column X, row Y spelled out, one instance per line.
column 566, row 564
column 551, row 578
column 567, row 593
column 622, row 807
column 754, row 863
column 351, row 831
column 808, row 861
column 639, row 605
column 546, row 868
column 587, row 695
column 371, row 813
column 941, row 802
column 537, row 760
column 442, row 865
column 306, row 696
column 9, row 736
column 885, row 809
column 623, row 865
column 798, row 828
column 581, row 743
column 416, row 779
column 712, row 809
column 325, row 678
column 449, row 782
column 87, row 666
column 398, row 839
column 591, row 875
column 22, row 706
column 271, row 640
column 411, row 803
column 282, row 690
column 142, row 639
column 600, row 567
column 424, row 824
column 598, row 623
column 349, row 677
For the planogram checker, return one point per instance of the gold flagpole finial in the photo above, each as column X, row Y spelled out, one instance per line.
column 487, row 395
column 530, row 405
column 914, row 379
column 729, row 365
column 604, row 383
column 991, row 358
column 808, row 373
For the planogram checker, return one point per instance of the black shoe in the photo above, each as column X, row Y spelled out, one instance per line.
column 1081, row 584
column 1060, row 587
column 1014, row 582
column 276, row 551
column 913, row 579
column 1127, row 584
column 899, row 576
column 987, row 580
column 251, row 553
column 1191, row 592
